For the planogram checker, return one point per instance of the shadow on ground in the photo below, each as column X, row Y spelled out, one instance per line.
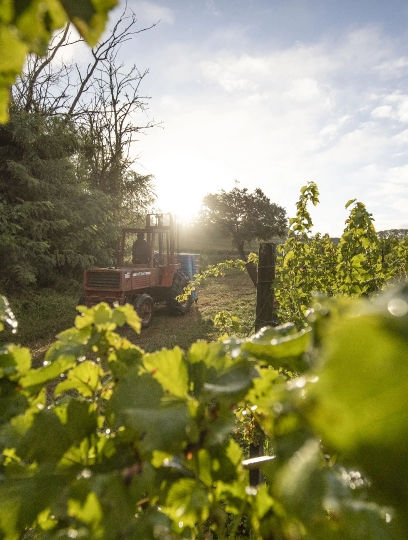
column 168, row 330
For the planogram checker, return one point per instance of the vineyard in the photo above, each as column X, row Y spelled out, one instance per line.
column 104, row 440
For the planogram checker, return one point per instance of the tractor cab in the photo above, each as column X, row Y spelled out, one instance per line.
column 160, row 235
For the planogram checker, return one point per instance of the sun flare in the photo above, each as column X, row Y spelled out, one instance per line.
column 185, row 207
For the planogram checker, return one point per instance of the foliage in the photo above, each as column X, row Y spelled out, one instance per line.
column 43, row 313
column 359, row 267
column 141, row 443
column 228, row 323
column 66, row 183
column 394, row 251
column 244, row 216
column 212, row 270
column 27, row 27
column 52, row 222
column 100, row 98
column 305, row 263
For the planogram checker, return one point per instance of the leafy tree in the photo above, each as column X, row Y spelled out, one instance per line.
column 394, row 252
column 244, row 216
column 66, row 182
column 102, row 100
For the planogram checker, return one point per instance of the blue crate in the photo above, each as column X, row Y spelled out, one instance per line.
column 190, row 265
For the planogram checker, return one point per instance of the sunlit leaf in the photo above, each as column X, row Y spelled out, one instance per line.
column 14, row 361
column 47, row 373
column 361, row 394
column 85, row 378
column 169, row 368
column 187, row 502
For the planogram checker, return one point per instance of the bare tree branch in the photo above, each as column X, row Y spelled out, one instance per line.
column 49, row 58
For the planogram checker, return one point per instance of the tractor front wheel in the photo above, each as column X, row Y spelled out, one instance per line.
column 144, row 308
column 180, row 280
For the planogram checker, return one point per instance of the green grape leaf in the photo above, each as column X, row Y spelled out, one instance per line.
column 12, row 56
column 89, row 16
column 300, row 483
column 37, row 377
column 35, row 446
column 135, row 392
column 12, row 403
column 234, row 382
column 127, row 314
column 187, row 502
column 280, row 348
column 163, row 429
column 137, row 403
column 89, row 511
column 15, row 361
column 212, row 354
column 66, row 424
column 360, row 395
column 28, row 27
column 22, row 499
column 169, row 368
column 219, row 430
column 85, row 378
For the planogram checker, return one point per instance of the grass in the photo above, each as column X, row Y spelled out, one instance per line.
column 234, row 293
column 43, row 314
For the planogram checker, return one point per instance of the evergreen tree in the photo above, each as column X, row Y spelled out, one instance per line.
column 52, row 221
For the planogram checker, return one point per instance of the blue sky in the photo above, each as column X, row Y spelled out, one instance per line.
column 276, row 93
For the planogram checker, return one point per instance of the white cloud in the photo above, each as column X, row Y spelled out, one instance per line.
column 392, row 106
column 279, row 118
column 398, row 176
column 401, row 138
column 383, row 111
column 304, row 90
column 403, row 110
column 151, row 12
column 298, row 67
column 393, row 68
column 332, row 130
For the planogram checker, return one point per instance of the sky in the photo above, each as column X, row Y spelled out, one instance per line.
column 273, row 94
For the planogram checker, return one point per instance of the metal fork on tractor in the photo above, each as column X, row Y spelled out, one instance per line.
column 161, row 279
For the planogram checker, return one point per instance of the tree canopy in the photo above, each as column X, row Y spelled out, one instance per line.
column 244, row 216
column 67, row 183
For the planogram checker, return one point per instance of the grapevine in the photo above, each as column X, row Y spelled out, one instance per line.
column 142, row 444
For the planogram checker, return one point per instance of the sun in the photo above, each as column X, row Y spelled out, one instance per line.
column 185, row 207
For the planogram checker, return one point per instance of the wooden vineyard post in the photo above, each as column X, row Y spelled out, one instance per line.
column 265, row 316
column 265, row 294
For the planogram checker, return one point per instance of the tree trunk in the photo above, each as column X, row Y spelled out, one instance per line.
column 250, row 267
column 252, row 272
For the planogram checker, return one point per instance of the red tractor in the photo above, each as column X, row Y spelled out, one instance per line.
column 142, row 283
